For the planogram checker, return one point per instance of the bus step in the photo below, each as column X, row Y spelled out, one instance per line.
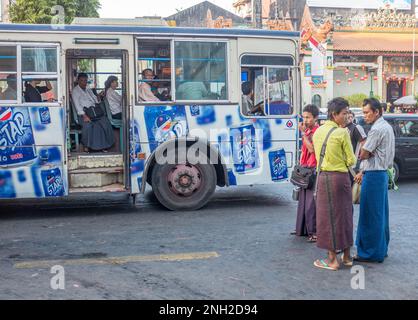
column 97, row 170
column 92, row 178
column 117, row 187
column 95, row 161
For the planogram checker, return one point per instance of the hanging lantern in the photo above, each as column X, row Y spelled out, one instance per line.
column 311, row 83
column 363, row 67
column 338, row 81
column 375, row 78
column 325, row 82
column 366, row 76
column 356, row 75
column 350, row 81
column 347, row 71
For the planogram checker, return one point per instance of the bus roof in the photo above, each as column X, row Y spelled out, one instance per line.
column 106, row 29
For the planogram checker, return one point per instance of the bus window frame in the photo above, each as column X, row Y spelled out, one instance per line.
column 174, row 101
column 43, row 75
column 294, row 83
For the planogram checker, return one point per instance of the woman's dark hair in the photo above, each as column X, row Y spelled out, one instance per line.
column 146, row 70
column 109, row 82
column 312, row 109
column 246, row 88
column 374, row 104
column 336, row 106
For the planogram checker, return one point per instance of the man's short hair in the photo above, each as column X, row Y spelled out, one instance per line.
column 374, row 104
column 312, row 109
column 336, row 106
column 246, row 88
column 82, row 75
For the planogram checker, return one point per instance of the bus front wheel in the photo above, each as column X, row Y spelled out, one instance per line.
column 183, row 186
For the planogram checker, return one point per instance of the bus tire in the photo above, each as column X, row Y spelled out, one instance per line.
column 184, row 187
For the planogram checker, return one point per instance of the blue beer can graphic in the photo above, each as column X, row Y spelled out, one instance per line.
column 207, row 115
column 17, row 142
column 52, row 182
column 195, row 111
column 44, row 115
column 165, row 123
column 7, row 190
column 244, row 148
column 278, row 165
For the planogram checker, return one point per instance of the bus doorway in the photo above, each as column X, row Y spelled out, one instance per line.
column 102, row 168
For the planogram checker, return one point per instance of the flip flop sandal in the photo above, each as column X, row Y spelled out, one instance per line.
column 347, row 264
column 321, row 264
column 312, row 239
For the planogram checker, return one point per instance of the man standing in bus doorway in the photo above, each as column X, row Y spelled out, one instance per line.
column 378, row 154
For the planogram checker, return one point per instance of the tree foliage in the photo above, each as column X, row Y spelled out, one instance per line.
column 42, row 11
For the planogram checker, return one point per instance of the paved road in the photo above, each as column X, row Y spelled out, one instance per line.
column 238, row 247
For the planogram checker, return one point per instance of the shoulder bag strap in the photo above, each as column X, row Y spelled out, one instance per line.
column 321, row 159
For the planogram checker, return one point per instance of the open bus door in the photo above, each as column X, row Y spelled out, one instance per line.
column 102, row 170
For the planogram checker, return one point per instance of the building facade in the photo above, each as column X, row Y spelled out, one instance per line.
column 371, row 53
column 205, row 14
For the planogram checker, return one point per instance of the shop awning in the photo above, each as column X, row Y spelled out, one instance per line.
column 374, row 43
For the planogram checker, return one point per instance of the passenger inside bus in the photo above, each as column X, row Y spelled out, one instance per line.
column 33, row 92
column 113, row 97
column 192, row 89
column 248, row 101
column 145, row 92
column 97, row 134
column 11, row 92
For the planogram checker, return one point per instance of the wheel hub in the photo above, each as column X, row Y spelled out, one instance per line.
column 184, row 180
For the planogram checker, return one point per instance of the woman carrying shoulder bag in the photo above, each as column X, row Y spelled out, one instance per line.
column 334, row 209
column 306, row 216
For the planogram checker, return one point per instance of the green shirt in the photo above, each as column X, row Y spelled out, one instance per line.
column 339, row 154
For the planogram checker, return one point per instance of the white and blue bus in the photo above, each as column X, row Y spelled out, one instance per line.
column 234, row 92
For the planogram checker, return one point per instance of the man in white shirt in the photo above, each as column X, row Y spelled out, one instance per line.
column 83, row 97
column 144, row 91
column 97, row 135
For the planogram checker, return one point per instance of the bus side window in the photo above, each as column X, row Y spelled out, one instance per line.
column 154, row 70
column 8, row 73
column 39, row 74
column 266, row 89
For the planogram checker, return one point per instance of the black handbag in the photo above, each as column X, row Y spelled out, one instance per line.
column 94, row 112
column 303, row 177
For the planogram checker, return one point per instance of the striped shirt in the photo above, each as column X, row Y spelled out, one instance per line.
column 381, row 144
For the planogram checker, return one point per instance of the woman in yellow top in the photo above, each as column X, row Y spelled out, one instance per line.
column 334, row 206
